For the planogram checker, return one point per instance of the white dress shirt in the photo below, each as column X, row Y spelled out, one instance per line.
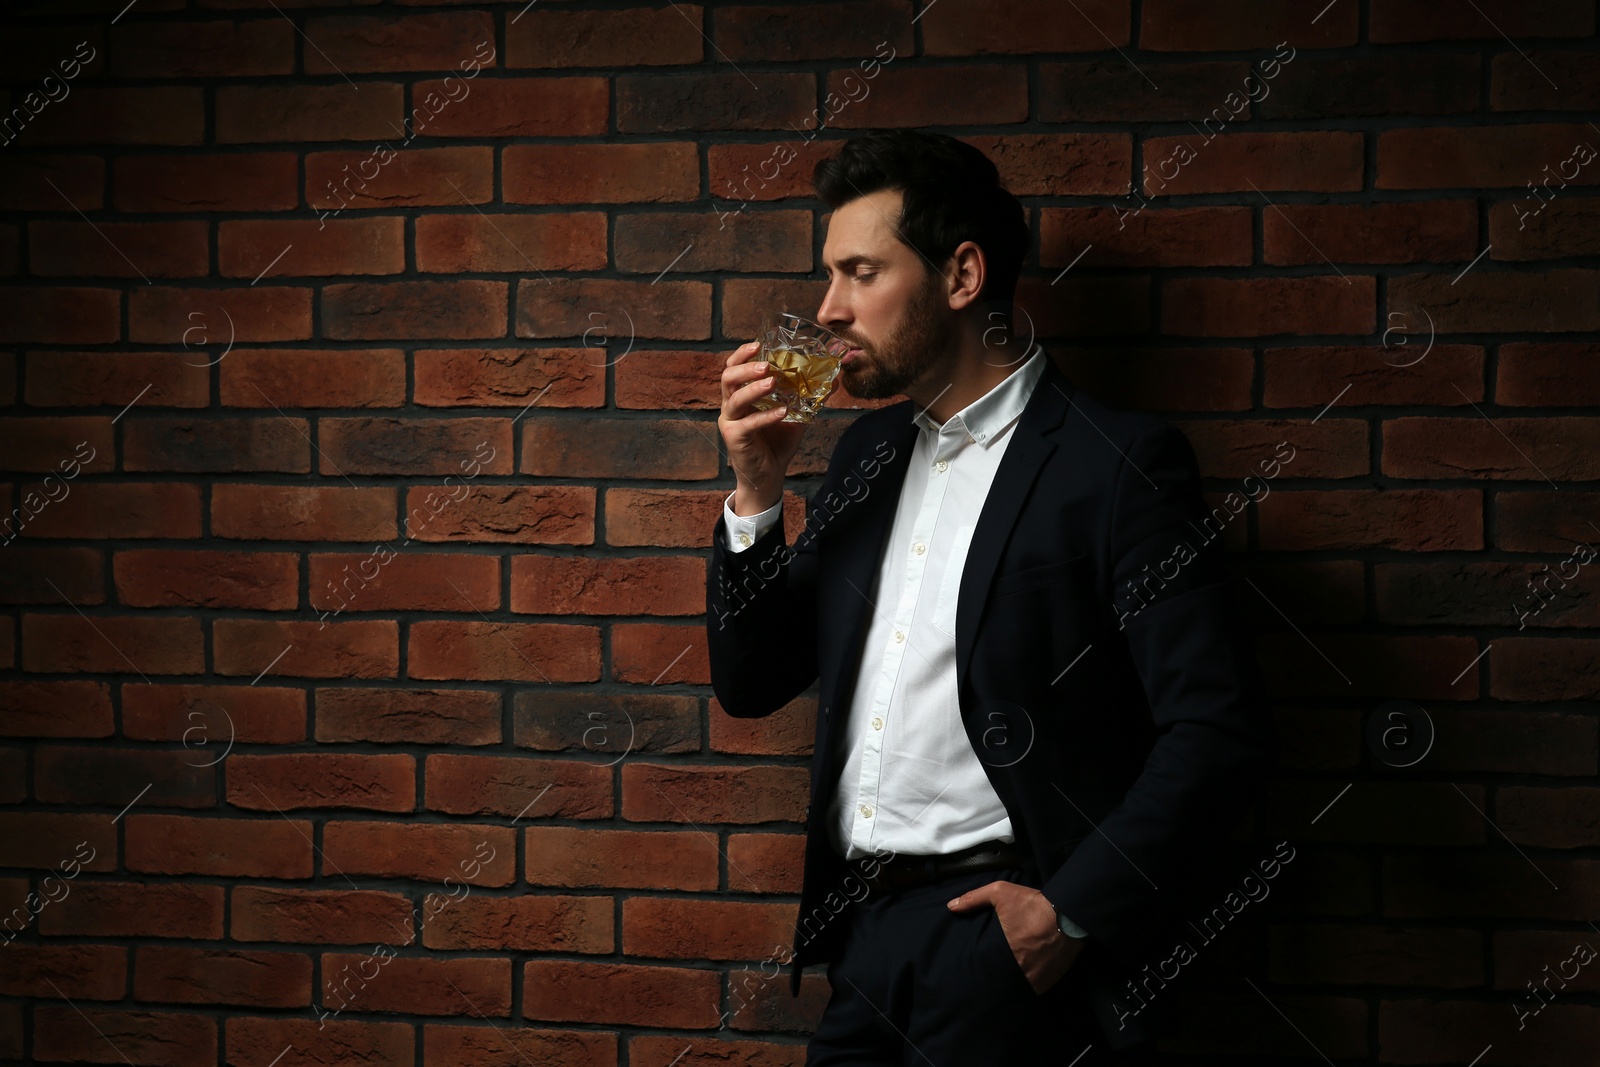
column 910, row 780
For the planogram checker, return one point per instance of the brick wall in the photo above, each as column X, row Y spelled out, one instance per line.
column 360, row 372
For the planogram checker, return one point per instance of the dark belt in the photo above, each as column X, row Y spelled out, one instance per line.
column 903, row 872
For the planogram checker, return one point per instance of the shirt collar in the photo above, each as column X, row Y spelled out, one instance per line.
column 987, row 417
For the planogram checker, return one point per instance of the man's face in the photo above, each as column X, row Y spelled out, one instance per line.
column 884, row 298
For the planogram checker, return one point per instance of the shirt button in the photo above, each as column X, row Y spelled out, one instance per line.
column 744, row 539
column 941, row 466
column 866, row 811
column 899, row 636
column 877, row 723
column 919, row 548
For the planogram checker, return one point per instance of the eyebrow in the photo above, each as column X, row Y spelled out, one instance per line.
column 851, row 261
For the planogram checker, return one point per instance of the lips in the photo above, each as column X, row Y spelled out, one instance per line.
column 849, row 357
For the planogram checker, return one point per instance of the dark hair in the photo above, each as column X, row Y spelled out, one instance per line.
column 951, row 192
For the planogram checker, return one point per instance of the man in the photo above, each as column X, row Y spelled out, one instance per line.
column 1030, row 741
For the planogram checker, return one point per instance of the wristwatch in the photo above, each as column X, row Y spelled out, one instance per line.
column 1068, row 927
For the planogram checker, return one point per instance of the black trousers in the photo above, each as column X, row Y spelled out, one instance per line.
column 919, row 984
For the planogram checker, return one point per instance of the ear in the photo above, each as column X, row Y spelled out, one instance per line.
column 966, row 275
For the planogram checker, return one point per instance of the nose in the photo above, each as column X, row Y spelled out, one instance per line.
column 834, row 313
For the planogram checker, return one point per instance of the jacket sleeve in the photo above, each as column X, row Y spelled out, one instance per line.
column 1214, row 742
column 761, row 619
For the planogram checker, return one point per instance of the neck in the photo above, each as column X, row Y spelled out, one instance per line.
column 975, row 367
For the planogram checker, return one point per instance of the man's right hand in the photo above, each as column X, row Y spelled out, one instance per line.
column 760, row 443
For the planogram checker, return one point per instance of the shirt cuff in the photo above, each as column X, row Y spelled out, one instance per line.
column 745, row 530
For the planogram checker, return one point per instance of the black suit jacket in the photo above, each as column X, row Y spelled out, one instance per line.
column 1125, row 741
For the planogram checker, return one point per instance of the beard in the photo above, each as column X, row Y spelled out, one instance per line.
column 916, row 343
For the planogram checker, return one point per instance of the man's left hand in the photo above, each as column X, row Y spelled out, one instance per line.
column 1029, row 925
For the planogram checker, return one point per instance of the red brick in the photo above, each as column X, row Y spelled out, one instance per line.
column 1557, row 228
column 222, row 976
column 516, row 786
column 97, row 379
column 414, row 309
column 249, row 114
column 24, row 185
column 1376, row 955
column 58, row 841
column 326, row 1039
column 927, row 96
column 573, row 857
column 676, row 518
column 647, row 585
column 407, row 581
column 1258, row 307
column 414, row 177
column 462, row 448
column 167, row 115
column 565, row 991
column 1394, row 82
column 155, row 1038
column 765, row 863
column 1520, row 448
column 69, row 248
column 412, row 716
column 510, row 377
column 1394, row 21
column 313, row 378
column 1442, row 232
column 1235, row 25
column 1517, row 741
column 133, row 909
column 1325, row 591
column 526, row 923
column 1422, row 668
column 632, row 37
column 303, row 513
column 1557, row 374
column 1407, row 520
column 1544, row 521
column 849, row 30
column 140, row 644
column 62, row 447
column 476, row 242
column 1523, row 81
column 1545, row 668
column 462, row 1044
column 322, row 780
column 100, row 511
column 745, row 172
column 651, row 654
column 1521, row 954
column 606, row 723
column 1101, row 91
column 112, row 776
column 434, row 41
column 150, row 578
column 484, row 651
column 53, row 576
column 567, row 307
column 1403, row 370
column 1172, row 237
column 223, row 848
column 1566, row 817
column 601, row 173
column 514, row 107
column 745, row 300
column 322, row 917
column 1209, row 161
column 1455, row 157
column 672, row 381
column 257, row 249
column 61, row 316
column 711, row 794
column 650, row 103
column 1330, row 448
column 208, row 718
column 73, row 972
column 683, row 449
column 1162, row 379
column 538, row 514
column 233, row 181
column 388, row 989
column 692, row 243
column 364, row 649
column 213, row 49
column 1483, row 594
column 56, row 709
column 215, row 317
column 202, row 445
column 683, row 928
column 472, row 855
